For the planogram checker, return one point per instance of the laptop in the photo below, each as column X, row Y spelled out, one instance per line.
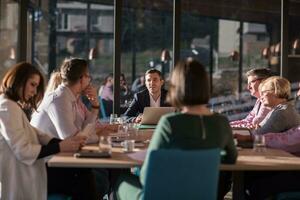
column 151, row 115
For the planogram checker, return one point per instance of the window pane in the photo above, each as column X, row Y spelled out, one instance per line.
column 70, row 30
column 234, row 33
column 9, row 21
column 41, row 37
column 146, row 32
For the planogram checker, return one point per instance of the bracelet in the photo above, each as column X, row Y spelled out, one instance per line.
column 96, row 107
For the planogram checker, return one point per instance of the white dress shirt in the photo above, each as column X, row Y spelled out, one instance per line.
column 154, row 103
column 22, row 176
column 60, row 115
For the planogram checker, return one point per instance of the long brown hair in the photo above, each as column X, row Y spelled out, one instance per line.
column 14, row 82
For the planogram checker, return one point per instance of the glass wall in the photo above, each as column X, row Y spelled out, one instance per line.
column 146, row 33
column 40, row 18
column 228, row 37
column 9, row 21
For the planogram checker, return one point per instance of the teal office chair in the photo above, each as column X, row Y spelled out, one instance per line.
column 288, row 196
column 177, row 174
column 102, row 113
column 58, row 197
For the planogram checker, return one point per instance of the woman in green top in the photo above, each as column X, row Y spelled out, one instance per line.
column 195, row 127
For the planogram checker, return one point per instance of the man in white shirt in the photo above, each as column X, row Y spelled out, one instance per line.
column 60, row 113
column 153, row 96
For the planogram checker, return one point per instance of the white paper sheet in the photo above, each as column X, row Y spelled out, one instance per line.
column 140, row 155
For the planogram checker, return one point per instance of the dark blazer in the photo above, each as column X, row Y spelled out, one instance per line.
column 142, row 100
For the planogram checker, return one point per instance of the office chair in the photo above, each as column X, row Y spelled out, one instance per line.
column 177, row 174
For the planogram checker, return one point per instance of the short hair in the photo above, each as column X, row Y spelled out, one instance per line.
column 260, row 73
column 73, row 69
column 15, row 81
column 153, row 71
column 280, row 86
column 189, row 85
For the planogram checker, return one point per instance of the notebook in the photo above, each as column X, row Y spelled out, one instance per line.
column 246, row 132
column 151, row 115
column 241, row 131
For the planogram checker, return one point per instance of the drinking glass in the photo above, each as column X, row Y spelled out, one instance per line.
column 259, row 144
column 123, row 128
column 128, row 145
column 113, row 119
column 132, row 129
column 105, row 144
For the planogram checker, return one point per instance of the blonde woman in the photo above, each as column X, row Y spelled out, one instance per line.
column 275, row 93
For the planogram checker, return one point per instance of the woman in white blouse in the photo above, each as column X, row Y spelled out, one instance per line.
column 22, row 147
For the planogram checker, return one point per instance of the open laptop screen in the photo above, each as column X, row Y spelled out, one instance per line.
column 151, row 115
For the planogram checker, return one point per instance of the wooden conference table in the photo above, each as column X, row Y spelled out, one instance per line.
column 248, row 160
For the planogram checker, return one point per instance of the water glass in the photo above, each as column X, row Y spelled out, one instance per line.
column 123, row 129
column 105, row 144
column 259, row 144
column 132, row 129
column 113, row 119
column 128, row 145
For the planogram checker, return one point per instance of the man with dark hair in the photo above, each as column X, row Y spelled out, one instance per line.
column 153, row 96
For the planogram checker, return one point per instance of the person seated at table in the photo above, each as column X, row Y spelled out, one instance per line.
column 138, row 84
column 259, row 111
column 102, row 129
column 288, row 140
column 60, row 113
column 106, row 89
column 275, row 93
column 153, row 96
column 23, row 147
column 189, row 91
column 125, row 92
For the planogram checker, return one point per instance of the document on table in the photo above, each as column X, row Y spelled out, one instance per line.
column 241, row 131
column 140, row 155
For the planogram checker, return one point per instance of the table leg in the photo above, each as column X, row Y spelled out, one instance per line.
column 238, row 185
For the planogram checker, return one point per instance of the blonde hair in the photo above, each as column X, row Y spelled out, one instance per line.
column 280, row 86
column 54, row 81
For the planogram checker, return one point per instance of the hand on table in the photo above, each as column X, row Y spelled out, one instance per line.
column 72, row 144
column 138, row 119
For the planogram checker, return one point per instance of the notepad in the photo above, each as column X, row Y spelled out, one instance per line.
column 241, row 131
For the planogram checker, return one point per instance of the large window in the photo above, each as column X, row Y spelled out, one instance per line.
column 228, row 37
column 9, row 21
column 146, row 33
